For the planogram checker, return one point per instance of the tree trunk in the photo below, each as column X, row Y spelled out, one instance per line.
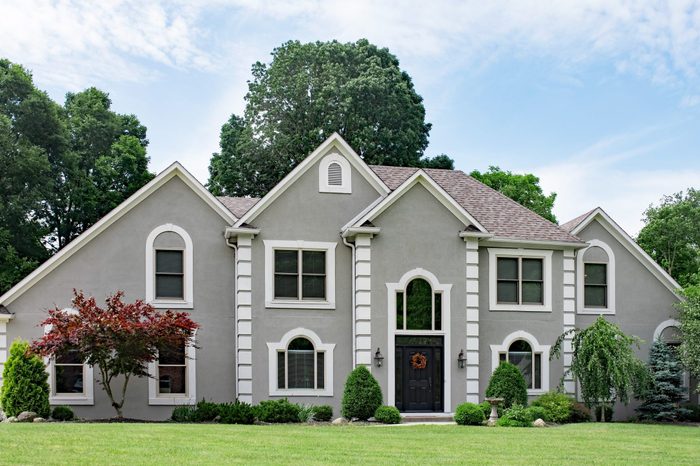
column 602, row 412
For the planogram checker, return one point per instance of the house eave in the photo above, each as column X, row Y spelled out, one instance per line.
column 517, row 242
column 354, row 231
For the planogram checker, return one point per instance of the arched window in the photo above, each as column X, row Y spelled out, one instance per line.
column 669, row 332
column 530, row 363
column 418, row 307
column 300, row 364
column 596, row 279
column 522, row 349
column 334, row 174
column 169, row 267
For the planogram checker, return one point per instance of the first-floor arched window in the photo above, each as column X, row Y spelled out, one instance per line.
column 530, row 363
column 300, row 366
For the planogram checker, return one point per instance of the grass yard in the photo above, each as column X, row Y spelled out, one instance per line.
column 128, row 444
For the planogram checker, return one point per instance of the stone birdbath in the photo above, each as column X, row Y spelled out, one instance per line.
column 494, row 402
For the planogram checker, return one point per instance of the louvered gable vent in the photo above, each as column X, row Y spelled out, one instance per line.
column 335, row 175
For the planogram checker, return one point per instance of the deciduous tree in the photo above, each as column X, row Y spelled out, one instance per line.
column 690, row 330
column 119, row 340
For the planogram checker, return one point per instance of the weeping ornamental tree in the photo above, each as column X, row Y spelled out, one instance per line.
column 604, row 363
column 119, row 340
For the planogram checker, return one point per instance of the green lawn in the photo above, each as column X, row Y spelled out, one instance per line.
column 128, row 444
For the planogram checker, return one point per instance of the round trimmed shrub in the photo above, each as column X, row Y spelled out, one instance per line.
column 184, row 413
column 25, row 384
column 62, row 413
column 236, row 413
column 558, row 406
column 362, row 395
column 469, row 414
column 323, row 413
column 508, row 383
column 516, row 416
column 277, row 411
column 206, row 411
column 387, row 415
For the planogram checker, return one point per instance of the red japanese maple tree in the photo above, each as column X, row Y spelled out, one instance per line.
column 120, row 339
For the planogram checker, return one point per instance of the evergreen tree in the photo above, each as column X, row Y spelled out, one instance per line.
column 661, row 401
column 25, row 382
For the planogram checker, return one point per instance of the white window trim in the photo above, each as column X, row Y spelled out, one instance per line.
column 88, row 396
column 188, row 269
column 170, row 399
column 657, row 334
column 327, row 348
column 445, row 289
column 545, row 255
column 271, row 302
column 496, row 350
column 346, row 184
column 580, row 280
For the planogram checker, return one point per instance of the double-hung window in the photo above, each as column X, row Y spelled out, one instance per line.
column 595, row 285
column 170, row 276
column 520, row 280
column 299, row 274
column 172, row 378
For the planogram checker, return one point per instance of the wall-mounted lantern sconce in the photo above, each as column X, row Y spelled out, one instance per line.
column 378, row 358
column 461, row 360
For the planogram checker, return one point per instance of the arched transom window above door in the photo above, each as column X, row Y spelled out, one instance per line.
column 418, row 307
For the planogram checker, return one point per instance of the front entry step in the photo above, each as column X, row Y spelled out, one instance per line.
column 427, row 417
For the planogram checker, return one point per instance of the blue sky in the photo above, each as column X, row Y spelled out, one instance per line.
column 600, row 99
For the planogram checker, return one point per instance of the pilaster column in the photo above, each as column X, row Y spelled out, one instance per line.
column 569, row 313
column 244, row 319
column 363, row 300
column 472, row 330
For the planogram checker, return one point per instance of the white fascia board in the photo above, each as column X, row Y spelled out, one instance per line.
column 631, row 245
column 335, row 140
column 174, row 170
column 499, row 241
column 435, row 189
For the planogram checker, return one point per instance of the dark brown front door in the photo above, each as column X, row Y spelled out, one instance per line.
column 419, row 373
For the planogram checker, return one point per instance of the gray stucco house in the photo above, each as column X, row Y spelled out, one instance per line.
column 339, row 264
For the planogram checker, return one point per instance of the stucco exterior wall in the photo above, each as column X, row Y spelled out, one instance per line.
column 302, row 213
column 115, row 260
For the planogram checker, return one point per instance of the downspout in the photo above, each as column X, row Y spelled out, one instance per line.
column 354, row 352
column 234, row 246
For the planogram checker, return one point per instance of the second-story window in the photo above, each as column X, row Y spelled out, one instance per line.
column 519, row 281
column 300, row 274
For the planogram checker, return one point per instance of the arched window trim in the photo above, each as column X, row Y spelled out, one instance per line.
column 319, row 346
column 657, row 334
column 88, row 395
column 496, row 350
column 190, row 395
column 187, row 302
column 580, row 285
column 324, row 186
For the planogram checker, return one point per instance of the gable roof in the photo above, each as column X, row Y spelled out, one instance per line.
column 582, row 221
column 573, row 223
column 174, row 170
column 418, row 177
column 238, row 205
column 334, row 141
column 497, row 213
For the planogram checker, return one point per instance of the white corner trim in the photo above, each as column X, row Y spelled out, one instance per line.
column 333, row 141
column 190, row 395
column 419, row 177
column 631, row 245
column 87, row 398
column 327, row 247
column 174, row 170
column 319, row 346
column 545, row 255
column 445, row 288
column 580, row 280
column 346, row 178
column 663, row 326
column 536, row 348
column 188, row 268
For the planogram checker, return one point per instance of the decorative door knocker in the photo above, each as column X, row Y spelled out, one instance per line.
column 419, row 361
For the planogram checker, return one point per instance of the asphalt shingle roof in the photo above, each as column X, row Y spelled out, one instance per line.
column 238, row 205
column 573, row 223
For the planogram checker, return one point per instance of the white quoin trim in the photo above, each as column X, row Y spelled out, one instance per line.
column 445, row 289
column 580, row 280
column 536, row 348
column 324, row 185
column 472, row 341
column 319, row 346
column 170, row 399
column 187, row 267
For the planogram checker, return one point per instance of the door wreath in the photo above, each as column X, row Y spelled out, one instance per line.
column 419, row 361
